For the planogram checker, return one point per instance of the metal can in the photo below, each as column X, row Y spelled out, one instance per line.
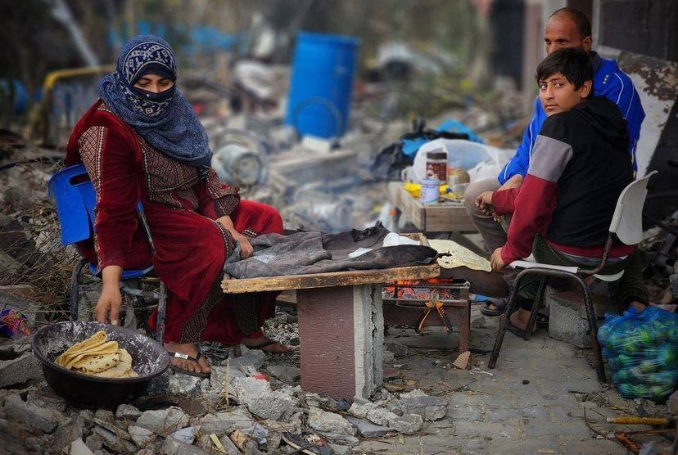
column 430, row 191
column 436, row 165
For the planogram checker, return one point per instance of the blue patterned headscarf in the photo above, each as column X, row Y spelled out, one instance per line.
column 165, row 120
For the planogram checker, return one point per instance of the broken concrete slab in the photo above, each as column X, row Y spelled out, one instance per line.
column 380, row 416
column 34, row 417
column 430, row 408
column 113, row 442
column 251, row 360
column 246, row 389
column 368, row 429
column 141, row 436
column 127, row 411
column 361, row 409
column 78, row 447
column 672, row 403
column 286, row 373
column 163, row 421
column 407, row 424
column 20, row 370
column 271, row 405
column 330, row 422
column 238, row 418
column 175, row 447
column 186, row 385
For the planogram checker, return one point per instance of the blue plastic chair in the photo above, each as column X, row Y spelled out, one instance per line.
column 75, row 201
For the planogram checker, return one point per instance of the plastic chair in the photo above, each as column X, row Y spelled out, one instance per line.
column 75, row 199
column 626, row 225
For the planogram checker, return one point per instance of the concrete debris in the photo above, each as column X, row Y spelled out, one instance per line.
column 330, row 422
column 186, row 435
column 672, row 403
column 186, row 385
column 271, row 405
column 94, row 441
column 175, row 447
column 78, row 447
column 397, row 349
column 20, row 370
column 251, row 359
column 246, row 389
column 141, row 436
column 368, row 429
column 163, row 421
column 33, row 416
column 408, row 424
column 226, row 422
column 380, row 416
column 114, row 442
column 229, row 447
column 430, row 408
column 127, row 411
column 286, row 373
column 361, row 409
column 46, row 398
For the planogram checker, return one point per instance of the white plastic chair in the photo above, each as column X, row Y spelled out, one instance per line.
column 626, row 225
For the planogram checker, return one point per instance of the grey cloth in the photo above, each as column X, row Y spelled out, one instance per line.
column 313, row 252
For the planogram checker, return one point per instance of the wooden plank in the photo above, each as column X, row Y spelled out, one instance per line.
column 324, row 280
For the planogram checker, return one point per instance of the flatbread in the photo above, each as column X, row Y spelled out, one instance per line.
column 98, row 357
column 459, row 256
column 122, row 370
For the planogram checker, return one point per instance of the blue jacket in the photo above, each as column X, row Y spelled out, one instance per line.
column 609, row 81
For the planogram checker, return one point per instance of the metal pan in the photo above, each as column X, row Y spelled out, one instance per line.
column 149, row 360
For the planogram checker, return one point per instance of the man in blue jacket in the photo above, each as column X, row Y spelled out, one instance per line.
column 567, row 27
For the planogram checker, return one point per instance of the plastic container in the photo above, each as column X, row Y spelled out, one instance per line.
column 436, row 165
column 430, row 191
column 323, row 71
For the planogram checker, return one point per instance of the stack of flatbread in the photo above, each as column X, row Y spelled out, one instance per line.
column 98, row 357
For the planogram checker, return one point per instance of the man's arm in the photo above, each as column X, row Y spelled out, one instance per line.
column 620, row 90
column 520, row 162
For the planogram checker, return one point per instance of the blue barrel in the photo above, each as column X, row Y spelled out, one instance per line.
column 323, row 70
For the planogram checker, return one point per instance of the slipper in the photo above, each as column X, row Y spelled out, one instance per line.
column 515, row 330
column 179, row 355
column 500, row 307
column 307, row 443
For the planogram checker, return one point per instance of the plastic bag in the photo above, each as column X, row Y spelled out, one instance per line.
column 641, row 350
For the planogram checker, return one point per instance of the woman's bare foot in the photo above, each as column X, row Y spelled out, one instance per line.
column 520, row 318
column 192, row 350
column 265, row 344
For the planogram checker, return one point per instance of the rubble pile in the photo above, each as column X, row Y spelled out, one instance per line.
column 249, row 405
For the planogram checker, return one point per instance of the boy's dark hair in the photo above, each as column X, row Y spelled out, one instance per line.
column 580, row 20
column 574, row 64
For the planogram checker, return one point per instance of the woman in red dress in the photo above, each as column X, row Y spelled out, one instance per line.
column 141, row 141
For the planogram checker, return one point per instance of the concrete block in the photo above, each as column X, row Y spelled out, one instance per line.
column 430, row 408
column 367, row 428
column 329, row 422
column 270, row 405
column 380, row 416
column 186, row 385
column 567, row 320
column 174, row 447
column 78, row 447
column 246, row 389
column 33, row 416
column 113, row 442
column 361, row 409
column 342, row 330
column 407, row 424
column 163, row 421
column 222, row 423
column 141, row 436
column 127, row 411
column 20, row 370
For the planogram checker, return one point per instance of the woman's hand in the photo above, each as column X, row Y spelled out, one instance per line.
column 246, row 249
column 108, row 306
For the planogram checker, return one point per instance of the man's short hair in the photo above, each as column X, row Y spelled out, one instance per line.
column 574, row 64
column 581, row 22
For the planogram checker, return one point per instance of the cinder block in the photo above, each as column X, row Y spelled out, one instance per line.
column 567, row 315
column 342, row 333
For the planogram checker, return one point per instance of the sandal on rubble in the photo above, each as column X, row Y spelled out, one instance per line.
column 499, row 307
column 182, row 356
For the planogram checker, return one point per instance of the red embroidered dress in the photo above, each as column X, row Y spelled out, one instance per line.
column 191, row 247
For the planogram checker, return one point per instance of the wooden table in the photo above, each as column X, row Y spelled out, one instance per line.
column 446, row 216
column 341, row 324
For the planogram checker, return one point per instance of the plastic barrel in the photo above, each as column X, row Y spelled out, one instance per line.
column 323, row 70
